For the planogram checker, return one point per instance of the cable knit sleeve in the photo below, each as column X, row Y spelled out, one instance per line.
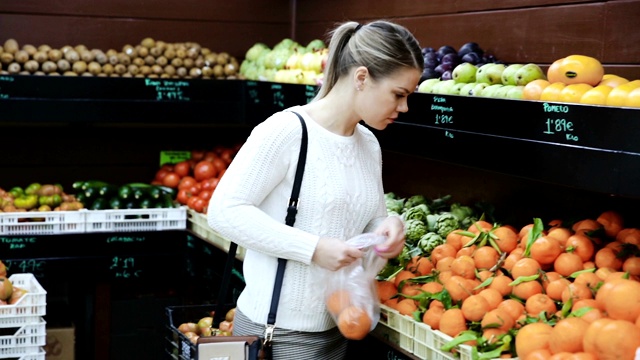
column 263, row 167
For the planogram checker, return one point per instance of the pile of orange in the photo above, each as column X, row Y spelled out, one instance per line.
column 558, row 291
column 581, row 79
column 353, row 320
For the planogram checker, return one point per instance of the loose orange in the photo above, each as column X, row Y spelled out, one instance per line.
column 610, row 339
column 497, row 318
column 623, row 300
column 539, row 303
column 406, row 306
column 493, row 297
column 612, row 222
column 567, row 335
column 576, row 292
column 464, row 266
column 457, row 287
column 532, row 337
column 474, row 307
column 632, row 266
column 485, row 257
column 512, row 306
column 506, row 238
column 556, row 287
column 560, row 233
column 501, row 283
column 432, row 316
column 581, row 245
column 432, row 287
column 567, row 263
column 354, row 323
column 540, row 354
column 420, row 265
column 607, row 258
column 456, row 240
column 545, row 250
column 513, row 257
column 444, row 264
column 588, row 278
column 401, row 276
column 442, row 251
column 525, row 267
column 386, row 290
column 452, row 322
column 525, row 290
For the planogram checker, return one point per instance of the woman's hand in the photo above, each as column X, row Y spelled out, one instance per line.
column 334, row 254
column 393, row 229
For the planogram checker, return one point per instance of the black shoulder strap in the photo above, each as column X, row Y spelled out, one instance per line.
column 292, row 210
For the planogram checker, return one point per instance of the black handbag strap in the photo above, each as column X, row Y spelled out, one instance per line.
column 292, row 210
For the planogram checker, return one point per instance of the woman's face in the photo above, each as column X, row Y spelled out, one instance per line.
column 383, row 100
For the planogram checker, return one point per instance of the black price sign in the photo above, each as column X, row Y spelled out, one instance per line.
column 124, row 267
column 173, row 90
column 278, row 95
column 125, row 239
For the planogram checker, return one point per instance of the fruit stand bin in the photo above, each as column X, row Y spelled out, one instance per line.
column 127, row 220
column 402, row 324
column 179, row 346
column 42, row 222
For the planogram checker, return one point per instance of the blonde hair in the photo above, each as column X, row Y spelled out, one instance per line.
column 382, row 46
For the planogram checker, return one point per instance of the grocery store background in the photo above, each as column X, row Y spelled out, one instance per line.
column 61, row 147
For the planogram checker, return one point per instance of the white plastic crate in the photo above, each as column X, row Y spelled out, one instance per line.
column 29, row 308
column 27, row 339
column 39, row 355
column 42, row 222
column 428, row 343
column 403, row 324
column 127, row 220
column 198, row 225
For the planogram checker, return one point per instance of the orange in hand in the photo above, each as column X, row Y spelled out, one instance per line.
column 354, row 323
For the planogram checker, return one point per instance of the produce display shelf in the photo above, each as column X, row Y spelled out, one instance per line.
column 92, row 221
column 402, row 324
column 198, row 225
column 29, row 308
column 27, row 339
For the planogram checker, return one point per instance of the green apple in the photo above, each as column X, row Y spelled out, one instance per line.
column 426, row 86
column 254, row 51
column 508, row 75
column 490, row 91
column 443, row 87
column 528, row 73
column 477, row 89
column 490, row 73
column 516, row 92
column 501, row 92
column 315, row 45
column 466, row 89
column 464, row 73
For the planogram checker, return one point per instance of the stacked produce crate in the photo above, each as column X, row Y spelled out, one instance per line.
column 22, row 326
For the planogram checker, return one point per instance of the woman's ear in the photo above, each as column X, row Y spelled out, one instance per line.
column 360, row 76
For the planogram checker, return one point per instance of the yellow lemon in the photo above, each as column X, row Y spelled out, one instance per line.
column 618, row 95
column 552, row 91
column 633, row 98
column 533, row 89
column 612, row 80
column 573, row 92
column 596, row 96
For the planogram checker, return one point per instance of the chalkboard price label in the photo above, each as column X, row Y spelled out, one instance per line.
column 124, row 267
column 310, row 92
column 174, row 157
column 278, row 96
column 34, row 266
column 443, row 114
column 3, row 94
column 169, row 89
column 557, row 123
column 15, row 243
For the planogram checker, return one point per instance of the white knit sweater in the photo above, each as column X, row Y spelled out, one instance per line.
column 341, row 197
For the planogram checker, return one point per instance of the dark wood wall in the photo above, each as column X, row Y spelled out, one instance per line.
column 538, row 31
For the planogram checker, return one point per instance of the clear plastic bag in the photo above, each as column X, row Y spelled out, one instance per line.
column 350, row 293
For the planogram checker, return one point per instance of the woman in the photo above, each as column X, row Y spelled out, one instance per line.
column 370, row 71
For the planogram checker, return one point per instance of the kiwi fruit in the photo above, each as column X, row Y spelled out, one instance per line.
column 30, row 49
column 86, row 56
column 54, row 54
column 14, row 68
column 40, row 56
column 31, row 66
column 94, row 67
column 49, row 66
column 44, row 47
column 79, row 67
column 63, row 65
column 148, row 42
column 71, row 56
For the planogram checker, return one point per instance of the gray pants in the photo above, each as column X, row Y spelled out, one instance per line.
column 296, row 345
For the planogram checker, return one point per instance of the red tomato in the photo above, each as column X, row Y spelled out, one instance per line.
column 210, row 184
column 183, row 196
column 183, row 168
column 210, row 155
column 196, row 203
column 227, row 155
column 187, row 182
column 197, row 155
column 160, row 174
column 219, row 164
column 171, row 180
column 204, row 170
column 205, row 194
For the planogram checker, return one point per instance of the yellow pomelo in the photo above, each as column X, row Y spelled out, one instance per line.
column 633, row 98
column 612, row 80
column 618, row 95
column 596, row 96
column 533, row 89
column 552, row 91
column 572, row 93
